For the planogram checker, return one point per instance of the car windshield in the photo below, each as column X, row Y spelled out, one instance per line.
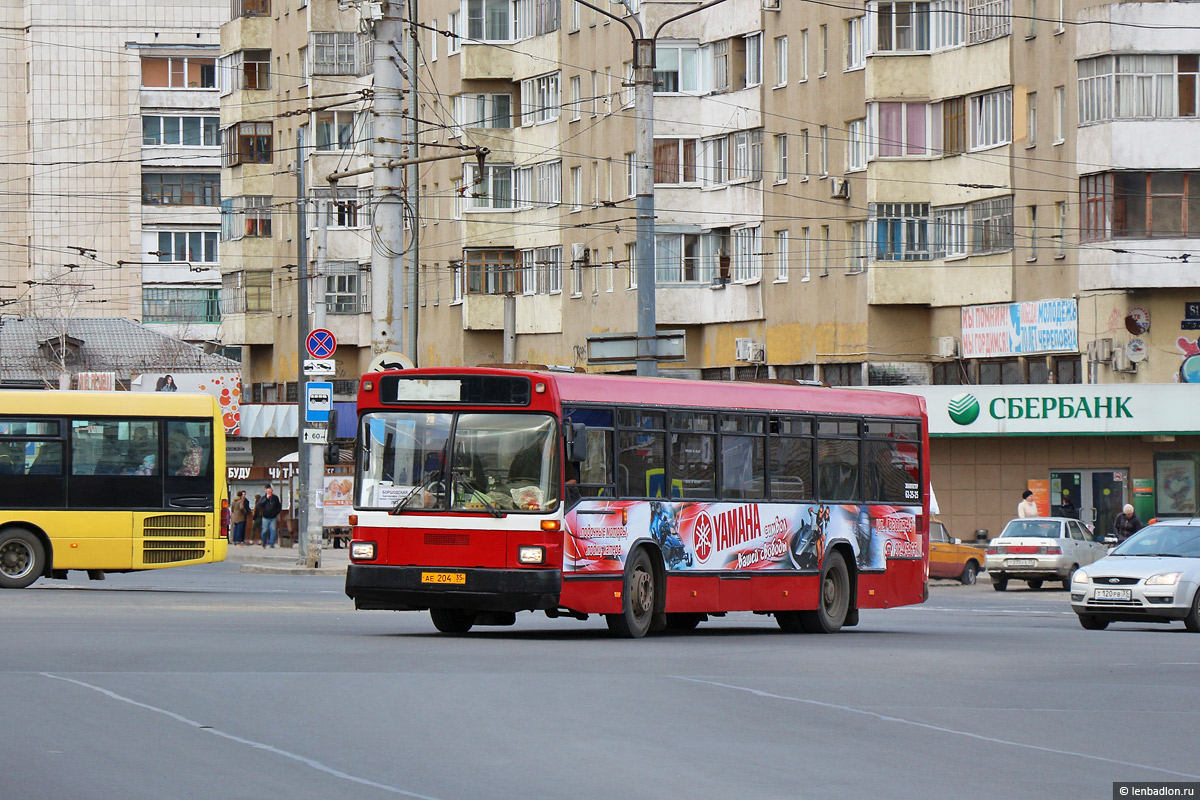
column 1032, row 529
column 1162, row 540
column 501, row 462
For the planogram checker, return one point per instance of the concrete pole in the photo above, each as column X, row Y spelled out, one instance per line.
column 387, row 209
column 310, row 535
column 510, row 328
column 412, row 254
column 300, row 497
column 643, row 167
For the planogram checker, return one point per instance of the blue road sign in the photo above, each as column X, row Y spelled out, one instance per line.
column 318, row 402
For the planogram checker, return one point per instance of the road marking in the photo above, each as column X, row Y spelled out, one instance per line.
column 938, row 728
column 317, row 765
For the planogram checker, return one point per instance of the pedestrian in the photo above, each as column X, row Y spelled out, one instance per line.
column 270, row 510
column 256, row 521
column 1027, row 508
column 1126, row 524
column 238, row 514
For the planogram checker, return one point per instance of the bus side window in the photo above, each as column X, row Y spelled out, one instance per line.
column 837, row 460
column 790, row 458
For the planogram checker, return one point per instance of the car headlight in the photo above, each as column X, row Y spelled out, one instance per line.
column 1079, row 577
column 1163, row 579
column 362, row 551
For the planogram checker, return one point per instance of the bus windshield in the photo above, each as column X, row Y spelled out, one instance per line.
column 505, row 462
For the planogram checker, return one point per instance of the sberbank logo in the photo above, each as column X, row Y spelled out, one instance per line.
column 963, row 408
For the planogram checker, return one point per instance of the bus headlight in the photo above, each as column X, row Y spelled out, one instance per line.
column 531, row 554
column 362, row 551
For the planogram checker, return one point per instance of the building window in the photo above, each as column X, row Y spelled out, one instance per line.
column 193, row 247
column 991, row 119
column 1033, row 234
column 342, row 206
column 335, row 130
column 781, row 158
column 535, row 17
column 677, row 68
column 714, row 161
column 1060, row 230
column 901, row 231
column 1031, row 119
column 824, row 54
column 1140, row 205
column 493, row 189
column 339, row 53
column 946, row 24
column 674, row 161
column 992, row 225
column 245, row 69
column 856, row 50
column 781, row 61
column 950, row 232
column 900, row 129
column 747, row 254
column 246, row 143
column 482, row 111
column 245, row 292
column 954, row 126
column 247, row 216
column 782, row 246
column 250, row 8
column 856, row 145
column 180, row 305
column 492, row 271
column 745, row 155
column 857, row 247
column 576, row 188
column 163, row 72
column 677, row 259
column 541, row 270
column 549, row 183
column 947, row 373
column 805, row 255
column 1060, row 114
column 180, row 131
column 803, row 56
column 901, row 26
column 181, row 188
column 345, row 288
column 541, row 99
column 754, row 59
column 488, row 20
column 1138, row 86
column 988, row 19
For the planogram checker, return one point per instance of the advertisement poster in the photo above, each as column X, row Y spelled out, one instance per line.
column 338, row 500
column 1009, row 329
column 1041, row 495
column 1176, row 482
column 226, row 387
column 737, row 536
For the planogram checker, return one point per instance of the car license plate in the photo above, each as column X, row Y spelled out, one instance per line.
column 443, row 577
column 1022, row 562
column 1114, row 594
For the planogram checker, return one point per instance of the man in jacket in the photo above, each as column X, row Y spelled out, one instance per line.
column 270, row 510
column 238, row 514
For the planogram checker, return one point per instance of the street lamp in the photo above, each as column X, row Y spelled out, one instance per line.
column 643, row 102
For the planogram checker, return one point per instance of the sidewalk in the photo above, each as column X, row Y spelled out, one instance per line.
column 284, row 560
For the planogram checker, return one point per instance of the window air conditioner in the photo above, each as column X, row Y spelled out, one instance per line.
column 1121, row 362
column 749, row 351
column 839, row 188
column 1100, row 350
column 770, row 5
column 947, row 347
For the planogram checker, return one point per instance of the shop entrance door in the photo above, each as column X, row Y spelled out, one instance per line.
column 1094, row 496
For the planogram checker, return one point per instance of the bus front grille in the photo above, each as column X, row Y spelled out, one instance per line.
column 168, row 539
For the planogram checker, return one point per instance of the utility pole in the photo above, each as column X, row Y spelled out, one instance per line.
column 387, row 207
column 300, row 500
column 412, row 191
column 314, row 454
column 643, row 166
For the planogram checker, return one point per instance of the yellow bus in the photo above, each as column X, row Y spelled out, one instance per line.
column 109, row 482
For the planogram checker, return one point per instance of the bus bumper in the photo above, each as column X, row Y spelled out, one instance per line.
column 400, row 589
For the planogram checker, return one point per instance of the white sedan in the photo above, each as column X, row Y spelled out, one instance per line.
column 1040, row 549
column 1153, row 576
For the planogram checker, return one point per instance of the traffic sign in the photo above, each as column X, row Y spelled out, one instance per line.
column 389, row 360
column 318, row 402
column 316, row 436
column 320, row 366
column 321, row 343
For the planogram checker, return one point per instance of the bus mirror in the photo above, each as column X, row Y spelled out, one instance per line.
column 576, row 442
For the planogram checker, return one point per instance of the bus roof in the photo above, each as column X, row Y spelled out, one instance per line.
column 575, row 387
column 53, row 402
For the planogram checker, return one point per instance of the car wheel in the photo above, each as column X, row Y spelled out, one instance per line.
column 637, row 599
column 999, row 584
column 22, row 558
column 452, row 620
column 833, row 600
column 969, row 573
column 1035, row 584
column 1070, row 575
column 1092, row 623
column 1192, row 620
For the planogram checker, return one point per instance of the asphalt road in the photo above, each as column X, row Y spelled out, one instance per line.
column 206, row 683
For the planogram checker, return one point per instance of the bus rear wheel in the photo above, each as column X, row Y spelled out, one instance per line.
column 452, row 620
column 833, row 602
column 22, row 558
column 637, row 599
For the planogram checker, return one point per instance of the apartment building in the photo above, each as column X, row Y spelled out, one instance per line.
column 112, row 162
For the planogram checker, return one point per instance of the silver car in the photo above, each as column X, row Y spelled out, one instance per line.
column 1040, row 549
column 1153, row 576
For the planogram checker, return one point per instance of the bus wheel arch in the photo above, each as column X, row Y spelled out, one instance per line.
column 642, row 595
column 835, row 593
column 24, row 555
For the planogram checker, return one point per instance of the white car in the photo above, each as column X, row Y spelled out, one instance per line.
column 1153, row 576
column 1041, row 549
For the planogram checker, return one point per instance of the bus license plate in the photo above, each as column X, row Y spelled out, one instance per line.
column 1114, row 594
column 1022, row 562
column 444, row 577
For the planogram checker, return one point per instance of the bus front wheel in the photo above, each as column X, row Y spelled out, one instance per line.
column 22, row 558
column 452, row 620
column 833, row 602
column 637, row 599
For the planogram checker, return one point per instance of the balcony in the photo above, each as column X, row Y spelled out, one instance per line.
column 703, row 305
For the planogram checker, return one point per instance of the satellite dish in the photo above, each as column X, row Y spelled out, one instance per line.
column 1136, row 350
column 389, row 360
column 1138, row 321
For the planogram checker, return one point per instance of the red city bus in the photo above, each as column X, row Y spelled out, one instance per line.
column 656, row 502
